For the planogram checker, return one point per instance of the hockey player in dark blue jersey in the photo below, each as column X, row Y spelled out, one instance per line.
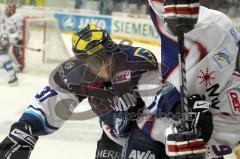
column 108, row 75
column 104, row 72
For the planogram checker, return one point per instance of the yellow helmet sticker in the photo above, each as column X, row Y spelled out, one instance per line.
column 93, row 33
column 95, row 49
column 82, row 44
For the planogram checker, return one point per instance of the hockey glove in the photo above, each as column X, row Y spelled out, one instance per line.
column 181, row 14
column 185, row 145
column 4, row 40
column 202, row 122
column 121, row 124
column 19, row 143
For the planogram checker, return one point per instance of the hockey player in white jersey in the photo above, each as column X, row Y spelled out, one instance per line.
column 212, row 66
column 10, row 30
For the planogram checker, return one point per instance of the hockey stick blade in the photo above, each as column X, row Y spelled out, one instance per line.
column 28, row 48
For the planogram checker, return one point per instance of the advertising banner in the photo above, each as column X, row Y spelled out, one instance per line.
column 75, row 22
column 134, row 27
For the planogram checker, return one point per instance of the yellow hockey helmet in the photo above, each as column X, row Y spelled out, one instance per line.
column 91, row 40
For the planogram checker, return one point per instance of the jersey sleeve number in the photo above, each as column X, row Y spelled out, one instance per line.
column 46, row 93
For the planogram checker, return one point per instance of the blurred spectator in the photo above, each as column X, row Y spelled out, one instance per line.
column 119, row 5
column 78, row 4
column 22, row 2
column 230, row 7
column 32, row 2
column 106, row 7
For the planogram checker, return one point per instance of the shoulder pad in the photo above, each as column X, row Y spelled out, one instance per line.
column 70, row 76
column 138, row 54
column 146, row 55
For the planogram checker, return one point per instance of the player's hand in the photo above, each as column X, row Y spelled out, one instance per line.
column 19, row 143
column 182, row 13
column 13, row 38
column 4, row 40
column 185, row 145
column 202, row 122
column 121, row 124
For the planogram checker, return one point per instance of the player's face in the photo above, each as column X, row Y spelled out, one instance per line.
column 9, row 11
column 98, row 66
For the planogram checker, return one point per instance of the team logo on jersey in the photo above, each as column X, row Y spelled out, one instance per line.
column 223, row 59
column 146, row 55
column 206, row 77
column 123, row 76
column 234, row 99
column 141, row 155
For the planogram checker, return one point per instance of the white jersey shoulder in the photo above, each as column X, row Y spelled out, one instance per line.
column 212, row 49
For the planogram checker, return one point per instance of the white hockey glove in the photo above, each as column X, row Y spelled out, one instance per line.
column 183, row 13
column 4, row 40
column 19, row 143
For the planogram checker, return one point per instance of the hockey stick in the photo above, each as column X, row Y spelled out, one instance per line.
column 124, row 148
column 29, row 48
column 182, row 76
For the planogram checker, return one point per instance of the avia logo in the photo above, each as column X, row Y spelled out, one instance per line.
column 141, row 155
column 122, row 76
column 206, row 77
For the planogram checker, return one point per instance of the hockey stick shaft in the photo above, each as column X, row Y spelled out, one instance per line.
column 29, row 48
column 124, row 148
column 182, row 76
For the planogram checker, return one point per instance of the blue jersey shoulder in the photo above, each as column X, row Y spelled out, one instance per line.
column 138, row 54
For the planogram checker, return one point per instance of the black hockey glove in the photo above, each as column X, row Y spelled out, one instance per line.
column 202, row 122
column 181, row 15
column 19, row 143
column 191, row 144
column 121, row 124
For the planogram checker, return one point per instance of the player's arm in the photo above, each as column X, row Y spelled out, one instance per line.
column 158, row 95
column 47, row 112
column 142, row 61
column 157, row 12
column 160, row 98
